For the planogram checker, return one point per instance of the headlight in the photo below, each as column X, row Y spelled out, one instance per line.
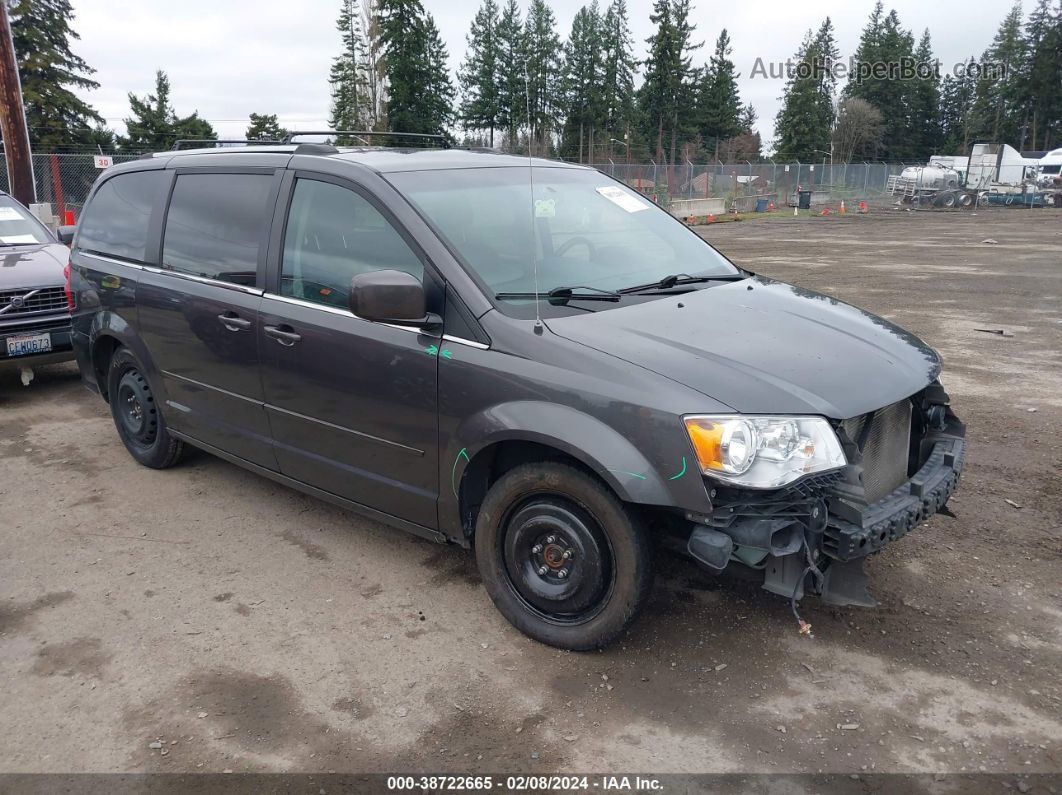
column 763, row 452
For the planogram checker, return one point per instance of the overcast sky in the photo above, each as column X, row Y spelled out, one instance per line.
column 228, row 58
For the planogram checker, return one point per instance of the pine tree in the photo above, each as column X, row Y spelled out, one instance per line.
column 747, row 120
column 512, row 99
column 718, row 104
column 802, row 128
column 924, row 103
column 997, row 107
column 438, row 90
column 617, row 72
column 885, row 41
column 480, row 73
column 583, row 101
column 155, row 126
column 264, row 126
column 956, row 101
column 346, row 78
column 1042, row 75
column 542, row 49
column 50, row 72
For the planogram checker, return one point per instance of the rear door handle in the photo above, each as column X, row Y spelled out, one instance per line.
column 283, row 334
column 234, row 322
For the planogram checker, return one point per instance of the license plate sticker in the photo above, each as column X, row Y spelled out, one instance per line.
column 29, row 344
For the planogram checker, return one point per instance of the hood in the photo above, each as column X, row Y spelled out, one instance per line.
column 762, row 346
column 39, row 265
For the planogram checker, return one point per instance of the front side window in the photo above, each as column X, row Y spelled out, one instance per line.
column 215, row 225
column 115, row 222
column 582, row 228
column 332, row 235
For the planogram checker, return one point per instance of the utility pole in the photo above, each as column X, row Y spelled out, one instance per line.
column 13, row 118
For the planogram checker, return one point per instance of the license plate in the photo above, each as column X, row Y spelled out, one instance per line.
column 27, row 344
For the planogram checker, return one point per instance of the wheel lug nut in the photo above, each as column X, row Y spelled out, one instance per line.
column 562, row 573
column 536, row 548
column 542, row 570
column 567, row 554
column 550, row 539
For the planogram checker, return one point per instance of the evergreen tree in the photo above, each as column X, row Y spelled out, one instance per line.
column 667, row 93
column 419, row 91
column 264, row 126
column 924, row 103
column 747, row 120
column 155, row 126
column 346, row 78
column 480, row 73
column 542, row 49
column 617, row 75
column 885, row 41
column 50, row 72
column 802, row 127
column 956, row 102
column 718, row 104
column 582, row 84
column 512, row 99
column 1042, row 75
column 997, row 112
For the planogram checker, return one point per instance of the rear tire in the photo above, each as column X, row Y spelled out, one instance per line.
column 561, row 557
column 137, row 416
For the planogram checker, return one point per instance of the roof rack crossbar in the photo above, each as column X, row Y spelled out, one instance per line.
column 441, row 139
column 180, row 142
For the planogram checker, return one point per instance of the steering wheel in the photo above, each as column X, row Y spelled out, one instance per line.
column 571, row 242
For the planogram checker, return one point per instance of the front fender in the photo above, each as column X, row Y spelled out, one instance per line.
column 630, row 474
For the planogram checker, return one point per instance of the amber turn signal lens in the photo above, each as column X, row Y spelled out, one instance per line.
column 707, row 438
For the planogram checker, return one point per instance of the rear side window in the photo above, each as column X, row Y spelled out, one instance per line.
column 215, row 225
column 333, row 234
column 116, row 220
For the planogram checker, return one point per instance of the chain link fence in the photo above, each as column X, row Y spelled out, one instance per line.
column 64, row 181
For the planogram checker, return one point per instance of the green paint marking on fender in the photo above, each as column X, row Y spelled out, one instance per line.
column 453, row 475
column 432, row 350
column 446, row 354
column 683, row 472
column 638, row 475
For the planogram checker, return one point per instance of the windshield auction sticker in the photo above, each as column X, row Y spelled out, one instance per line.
column 622, row 199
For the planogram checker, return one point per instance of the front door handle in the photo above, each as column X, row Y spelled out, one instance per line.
column 285, row 335
column 234, row 322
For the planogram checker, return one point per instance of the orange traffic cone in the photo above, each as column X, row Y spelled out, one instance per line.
column 843, row 212
column 711, row 218
column 863, row 208
column 770, row 207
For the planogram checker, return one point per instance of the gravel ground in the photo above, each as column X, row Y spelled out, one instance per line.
column 205, row 619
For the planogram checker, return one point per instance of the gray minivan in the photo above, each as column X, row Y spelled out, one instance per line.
column 521, row 356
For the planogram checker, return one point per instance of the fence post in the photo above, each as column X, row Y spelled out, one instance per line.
column 57, row 187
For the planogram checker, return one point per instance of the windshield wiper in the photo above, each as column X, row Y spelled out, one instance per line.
column 679, row 279
column 562, row 295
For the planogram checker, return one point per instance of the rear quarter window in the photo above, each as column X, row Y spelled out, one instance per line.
column 115, row 222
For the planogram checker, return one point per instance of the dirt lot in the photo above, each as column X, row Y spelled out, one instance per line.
column 246, row 627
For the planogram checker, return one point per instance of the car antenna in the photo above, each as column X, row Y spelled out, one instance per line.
column 531, row 182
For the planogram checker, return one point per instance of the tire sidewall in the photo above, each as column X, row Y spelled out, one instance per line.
column 631, row 563
column 158, row 453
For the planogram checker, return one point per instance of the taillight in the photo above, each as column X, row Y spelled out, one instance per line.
column 67, row 289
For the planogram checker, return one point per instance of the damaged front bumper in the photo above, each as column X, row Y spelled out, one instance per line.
column 817, row 531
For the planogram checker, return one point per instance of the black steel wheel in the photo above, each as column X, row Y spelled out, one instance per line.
column 561, row 557
column 137, row 415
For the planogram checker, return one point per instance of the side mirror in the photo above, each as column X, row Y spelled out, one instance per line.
column 66, row 234
column 391, row 296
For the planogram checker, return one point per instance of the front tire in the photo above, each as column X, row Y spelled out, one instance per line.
column 561, row 557
column 137, row 416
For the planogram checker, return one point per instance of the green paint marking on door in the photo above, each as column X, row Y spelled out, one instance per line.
column 683, row 472
column 446, row 354
column 432, row 350
column 453, row 475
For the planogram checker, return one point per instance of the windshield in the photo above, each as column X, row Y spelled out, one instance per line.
column 17, row 226
column 589, row 230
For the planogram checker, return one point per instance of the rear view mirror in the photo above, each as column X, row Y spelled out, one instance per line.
column 390, row 296
column 66, row 234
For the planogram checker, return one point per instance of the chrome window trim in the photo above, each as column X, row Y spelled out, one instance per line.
column 203, row 280
column 111, row 260
column 335, row 310
column 462, row 341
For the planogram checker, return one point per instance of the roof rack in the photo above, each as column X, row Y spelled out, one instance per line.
column 180, row 142
column 441, row 140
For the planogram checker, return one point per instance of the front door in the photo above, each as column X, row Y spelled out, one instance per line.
column 199, row 313
column 352, row 404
